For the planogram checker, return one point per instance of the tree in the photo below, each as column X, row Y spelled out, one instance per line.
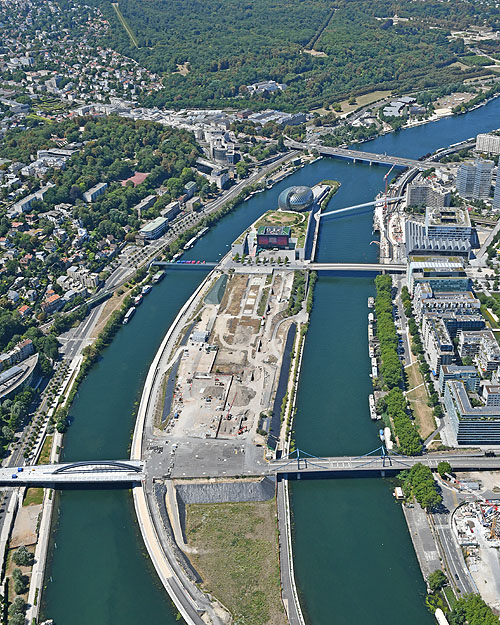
column 436, row 580
column 20, row 582
column 444, row 468
column 23, row 557
column 18, row 606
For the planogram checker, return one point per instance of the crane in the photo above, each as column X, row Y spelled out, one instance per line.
column 386, row 178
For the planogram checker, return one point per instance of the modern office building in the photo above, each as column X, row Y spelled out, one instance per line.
column 154, row 229
column 442, row 273
column 472, row 425
column 468, row 375
column 445, row 231
column 474, row 179
column 488, row 143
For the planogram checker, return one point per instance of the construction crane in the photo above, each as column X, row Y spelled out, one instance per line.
column 386, row 179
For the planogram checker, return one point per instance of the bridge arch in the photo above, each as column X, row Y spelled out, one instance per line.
column 124, row 466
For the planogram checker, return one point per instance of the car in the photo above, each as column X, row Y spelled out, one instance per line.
column 456, row 577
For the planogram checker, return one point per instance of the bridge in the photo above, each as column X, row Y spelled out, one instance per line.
column 366, row 157
column 184, row 264
column 378, row 267
column 98, row 472
column 303, row 463
column 379, row 202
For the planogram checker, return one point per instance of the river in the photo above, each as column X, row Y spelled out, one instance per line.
column 353, row 555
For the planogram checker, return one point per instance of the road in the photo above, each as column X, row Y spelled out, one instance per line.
column 92, row 473
column 288, row 588
column 458, row 572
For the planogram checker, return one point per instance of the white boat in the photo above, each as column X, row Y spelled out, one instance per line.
column 146, row 288
column 128, row 315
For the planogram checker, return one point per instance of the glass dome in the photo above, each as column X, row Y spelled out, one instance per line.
column 296, row 199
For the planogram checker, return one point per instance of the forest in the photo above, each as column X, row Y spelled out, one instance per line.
column 359, row 47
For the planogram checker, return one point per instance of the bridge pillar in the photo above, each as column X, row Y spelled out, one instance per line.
column 371, row 163
column 382, row 473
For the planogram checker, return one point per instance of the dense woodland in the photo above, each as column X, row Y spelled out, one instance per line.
column 232, row 44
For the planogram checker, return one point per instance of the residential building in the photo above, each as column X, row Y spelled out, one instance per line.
column 52, row 304
column 488, row 355
column 474, row 179
column 437, row 343
column 491, row 394
column 20, row 352
column 488, row 143
column 472, row 425
column 144, row 204
column 469, row 341
column 171, row 210
column 190, row 188
column 425, row 194
column 496, row 194
column 94, row 192
column 457, row 323
column 461, row 302
column 84, row 276
column 467, row 374
column 154, row 229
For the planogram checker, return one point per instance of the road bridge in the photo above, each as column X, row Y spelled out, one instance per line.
column 184, row 264
column 98, row 472
column 366, row 157
column 378, row 267
column 307, row 464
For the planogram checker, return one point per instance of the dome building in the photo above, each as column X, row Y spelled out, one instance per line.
column 296, row 199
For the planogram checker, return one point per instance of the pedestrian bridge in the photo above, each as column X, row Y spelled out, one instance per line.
column 87, row 472
column 306, row 464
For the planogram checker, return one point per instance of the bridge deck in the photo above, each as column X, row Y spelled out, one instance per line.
column 108, row 472
column 377, row 463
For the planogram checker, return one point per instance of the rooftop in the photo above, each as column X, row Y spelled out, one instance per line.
column 447, row 216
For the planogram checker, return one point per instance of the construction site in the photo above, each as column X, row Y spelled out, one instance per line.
column 224, row 381
column 476, row 524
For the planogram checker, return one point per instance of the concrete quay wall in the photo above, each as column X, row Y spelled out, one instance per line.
column 181, row 590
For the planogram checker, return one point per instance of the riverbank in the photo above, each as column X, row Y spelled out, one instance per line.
column 235, row 326
column 329, row 421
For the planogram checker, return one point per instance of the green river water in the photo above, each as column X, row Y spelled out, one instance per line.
column 354, row 561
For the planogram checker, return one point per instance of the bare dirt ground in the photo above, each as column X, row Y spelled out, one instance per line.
column 24, row 532
column 113, row 303
column 231, row 302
